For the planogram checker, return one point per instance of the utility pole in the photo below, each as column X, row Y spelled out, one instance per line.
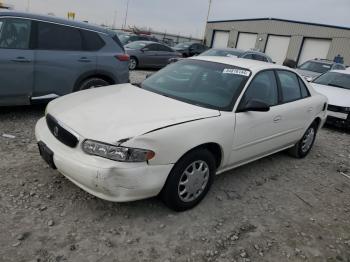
column 126, row 13
column 28, row 5
column 114, row 20
column 206, row 22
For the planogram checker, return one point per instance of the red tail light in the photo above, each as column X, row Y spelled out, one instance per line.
column 123, row 57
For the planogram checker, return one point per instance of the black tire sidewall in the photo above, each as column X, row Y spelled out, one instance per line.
column 87, row 84
column 136, row 63
column 169, row 193
column 300, row 151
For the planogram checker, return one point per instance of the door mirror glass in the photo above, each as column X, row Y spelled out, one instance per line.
column 255, row 105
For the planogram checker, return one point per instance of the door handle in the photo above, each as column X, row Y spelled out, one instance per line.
column 84, row 60
column 277, row 119
column 21, row 59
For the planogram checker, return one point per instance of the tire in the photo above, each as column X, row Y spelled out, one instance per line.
column 177, row 193
column 304, row 146
column 133, row 63
column 92, row 83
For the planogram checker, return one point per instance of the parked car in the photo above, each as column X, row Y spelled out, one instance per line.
column 189, row 121
column 233, row 52
column 129, row 38
column 43, row 57
column 188, row 49
column 335, row 85
column 149, row 54
column 316, row 67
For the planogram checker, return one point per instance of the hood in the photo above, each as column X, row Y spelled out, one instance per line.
column 112, row 113
column 306, row 73
column 336, row 96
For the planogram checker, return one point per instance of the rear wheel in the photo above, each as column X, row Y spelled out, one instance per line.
column 133, row 63
column 303, row 147
column 92, row 83
column 189, row 181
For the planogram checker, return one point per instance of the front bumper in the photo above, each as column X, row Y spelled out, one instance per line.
column 338, row 119
column 103, row 178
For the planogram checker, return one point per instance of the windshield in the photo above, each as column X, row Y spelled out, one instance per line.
column 136, row 45
column 218, row 52
column 124, row 39
column 207, row 84
column 334, row 79
column 315, row 67
column 182, row 45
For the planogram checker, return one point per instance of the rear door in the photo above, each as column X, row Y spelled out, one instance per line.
column 60, row 59
column 164, row 54
column 16, row 61
column 150, row 55
column 296, row 108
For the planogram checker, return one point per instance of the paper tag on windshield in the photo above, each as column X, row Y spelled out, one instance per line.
column 236, row 72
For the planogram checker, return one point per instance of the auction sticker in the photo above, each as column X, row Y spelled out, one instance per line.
column 236, row 72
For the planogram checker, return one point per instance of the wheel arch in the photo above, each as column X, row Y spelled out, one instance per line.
column 95, row 74
column 214, row 148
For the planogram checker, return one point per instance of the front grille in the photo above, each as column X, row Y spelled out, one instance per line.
column 61, row 133
column 336, row 108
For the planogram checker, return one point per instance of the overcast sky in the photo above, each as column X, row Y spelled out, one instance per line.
column 188, row 16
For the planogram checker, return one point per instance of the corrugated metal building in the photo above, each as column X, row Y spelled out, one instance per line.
column 280, row 39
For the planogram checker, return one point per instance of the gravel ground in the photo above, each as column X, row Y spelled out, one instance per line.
column 275, row 209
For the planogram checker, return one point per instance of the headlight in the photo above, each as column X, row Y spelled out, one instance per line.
column 117, row 153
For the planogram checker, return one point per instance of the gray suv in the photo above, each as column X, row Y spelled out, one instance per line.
column 44, row 57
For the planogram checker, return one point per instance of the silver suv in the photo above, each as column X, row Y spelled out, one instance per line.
column 44, row 57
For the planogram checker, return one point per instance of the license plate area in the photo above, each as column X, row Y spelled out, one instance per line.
column 47, row 154
column 337, row 114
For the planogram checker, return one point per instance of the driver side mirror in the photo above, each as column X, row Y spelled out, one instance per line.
column 254, row 105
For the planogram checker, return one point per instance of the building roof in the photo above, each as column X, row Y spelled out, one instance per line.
column 55, row 19
column 281, row 20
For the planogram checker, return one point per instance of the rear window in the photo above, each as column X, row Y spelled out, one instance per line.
column 317, row 67
column 92, row 41
column 57, row 37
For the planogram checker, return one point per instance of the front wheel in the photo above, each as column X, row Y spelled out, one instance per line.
column 92, row 83
column 133, row 63
column 189, row 181
column 303, row 147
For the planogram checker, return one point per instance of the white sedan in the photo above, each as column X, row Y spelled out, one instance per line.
column 184, row 124
column 335, row 85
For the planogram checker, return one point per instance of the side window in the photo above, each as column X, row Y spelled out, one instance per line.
column 92, row 41
column 248, row 56
column 289, row 86
column 57, row 37
column 153, row 47
column 303, row 88
column 263, row 88
column 260, row 58
column 164, row 48
column 15, row 33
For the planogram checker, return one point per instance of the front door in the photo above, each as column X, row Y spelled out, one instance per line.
column 258, row 133
column 16, row 61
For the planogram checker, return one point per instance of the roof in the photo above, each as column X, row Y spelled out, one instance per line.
column 253, row 65
column 54, row 19
column 281, row 20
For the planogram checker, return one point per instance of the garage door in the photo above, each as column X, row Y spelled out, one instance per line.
column 314, row 48
column 220, row 39
column 277, row 47
column 246, row 41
